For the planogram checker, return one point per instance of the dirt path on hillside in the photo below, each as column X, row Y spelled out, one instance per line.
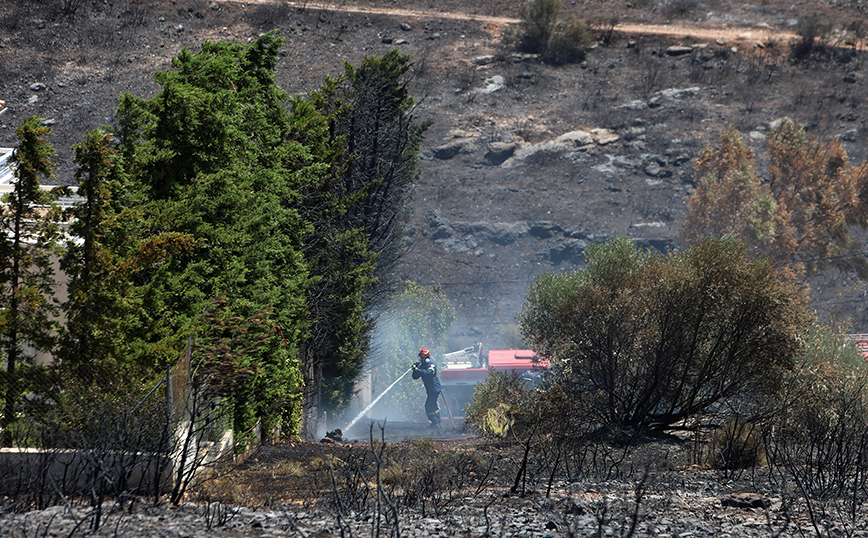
column 496, row 24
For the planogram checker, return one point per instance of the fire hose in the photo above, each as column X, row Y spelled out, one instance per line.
column 447, row 408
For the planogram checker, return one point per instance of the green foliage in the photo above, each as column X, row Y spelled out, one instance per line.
column 556, row 40
column 93, row 262
column 569, row 43
column 417, row 317
column 649, row 339
column 538, row 21
column 820, row 430
column 369, row 138
column 497, row 402
column 30, row 233
column 289, row 210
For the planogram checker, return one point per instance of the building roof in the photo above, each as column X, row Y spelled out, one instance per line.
column 6, row 175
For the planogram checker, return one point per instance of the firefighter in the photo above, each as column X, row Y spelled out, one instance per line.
column 427, row 370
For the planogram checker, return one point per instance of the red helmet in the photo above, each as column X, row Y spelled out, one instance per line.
column 424, row 353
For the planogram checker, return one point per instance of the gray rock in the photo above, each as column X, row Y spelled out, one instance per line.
column 492, row 84
column 654, row 169
column 678, row 93
column 499, row 152
column 545, row 229
column 637, row 104
column 851, row 135
column 575, row 139
column 453, row 148
column 745, row 500
column 405, row 27
column 604, row 136
column 571, row 251
column 37, row 87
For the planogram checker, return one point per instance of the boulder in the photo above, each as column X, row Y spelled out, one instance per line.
column 453, row 148
column 545, row 229
column 571, row 251
column 492, row 84
column 499, row 152
column 678, row 50
column 604, row 136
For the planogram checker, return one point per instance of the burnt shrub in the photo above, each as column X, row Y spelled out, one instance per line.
column 819, row 438
column 737, row 444
column 649, row 340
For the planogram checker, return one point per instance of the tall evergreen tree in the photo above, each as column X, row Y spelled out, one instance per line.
column 28, row 242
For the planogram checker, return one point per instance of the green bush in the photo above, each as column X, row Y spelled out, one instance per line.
column 569, row 43
column 650, row 340
column 820, row 433
column 499, row 404
column 538, row 21
column 542, row 32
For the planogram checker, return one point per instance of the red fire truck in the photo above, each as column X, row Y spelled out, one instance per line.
column 462, row 370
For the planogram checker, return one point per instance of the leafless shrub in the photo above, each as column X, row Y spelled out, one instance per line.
column 649, row 81
column 603, row 29
column 382, row 482
column 134, row 15
column 682, row 8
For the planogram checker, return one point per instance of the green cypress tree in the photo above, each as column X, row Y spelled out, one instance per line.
column 359, row 222
column 94, row 263
column 29, row 241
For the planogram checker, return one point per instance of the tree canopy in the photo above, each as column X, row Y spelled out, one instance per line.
column 30, row 235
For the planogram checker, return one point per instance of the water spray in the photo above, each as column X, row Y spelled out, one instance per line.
column 370, row 405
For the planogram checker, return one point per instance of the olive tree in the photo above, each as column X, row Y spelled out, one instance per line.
column 652, row 339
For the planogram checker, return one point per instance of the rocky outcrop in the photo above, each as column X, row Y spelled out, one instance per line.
column 464, row 236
